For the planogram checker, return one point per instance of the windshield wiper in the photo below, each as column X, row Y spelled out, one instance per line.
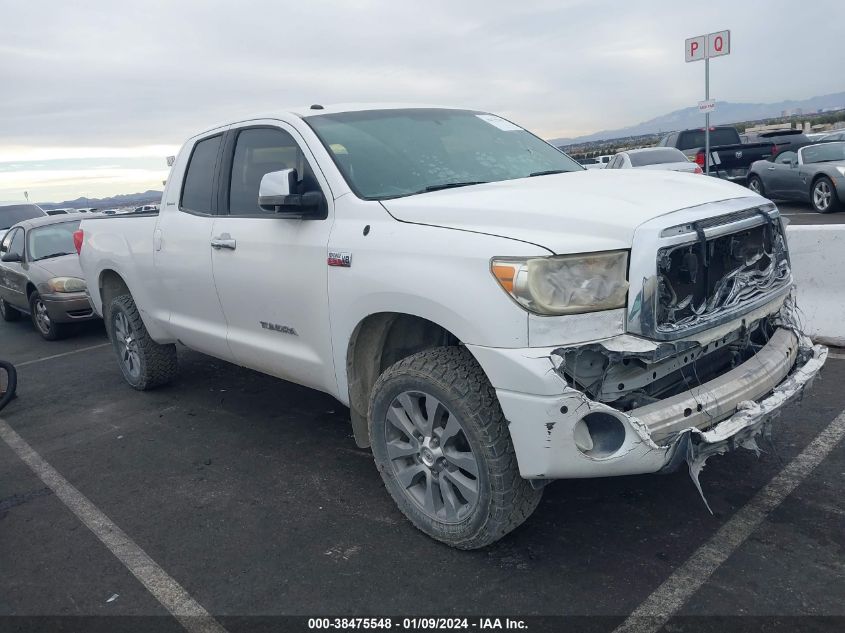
column 451, row 185
column 51, row 255
column 548, row 172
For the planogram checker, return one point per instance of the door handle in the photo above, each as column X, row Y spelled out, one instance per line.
column 224, row 241
column 770, row 168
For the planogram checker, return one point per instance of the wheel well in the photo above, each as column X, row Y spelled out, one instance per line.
column 379, row 341
column 816, row 178
column 30, row 288
column 111, row 286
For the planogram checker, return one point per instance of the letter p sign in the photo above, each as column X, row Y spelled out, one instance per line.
column 695, row 48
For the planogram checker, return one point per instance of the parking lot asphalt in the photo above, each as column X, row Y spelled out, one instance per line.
column 251, row 494
column 803, row 213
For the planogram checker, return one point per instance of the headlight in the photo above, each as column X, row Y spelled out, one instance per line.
column 66, row 284
column 565, row 284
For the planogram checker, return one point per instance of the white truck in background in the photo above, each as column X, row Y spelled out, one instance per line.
column 494, row 315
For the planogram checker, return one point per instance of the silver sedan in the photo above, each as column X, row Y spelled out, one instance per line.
column 667, row 158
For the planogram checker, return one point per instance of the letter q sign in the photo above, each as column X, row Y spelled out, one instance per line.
column 704, row 46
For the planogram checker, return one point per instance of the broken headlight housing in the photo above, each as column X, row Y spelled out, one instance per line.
column 565, row 284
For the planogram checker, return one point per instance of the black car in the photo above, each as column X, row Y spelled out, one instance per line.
column 11, row 214
column 730, row 158
column 786, row 140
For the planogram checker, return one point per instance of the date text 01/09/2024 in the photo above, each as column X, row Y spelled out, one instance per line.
column 414, row 624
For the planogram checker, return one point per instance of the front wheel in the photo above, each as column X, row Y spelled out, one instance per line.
column 145, row 364
column 8, row 383
column 823, row 196
column 441, row 443
column 42, row 320
column 7, row 312
column 756, row 185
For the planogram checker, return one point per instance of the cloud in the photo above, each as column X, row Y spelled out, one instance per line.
column 88, row 74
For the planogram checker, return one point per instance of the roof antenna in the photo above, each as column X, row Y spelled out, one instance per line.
column 317, row 106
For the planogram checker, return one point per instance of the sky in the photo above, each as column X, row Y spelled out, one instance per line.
column 95, row 95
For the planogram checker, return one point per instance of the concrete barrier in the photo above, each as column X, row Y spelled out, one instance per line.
column 817, row 253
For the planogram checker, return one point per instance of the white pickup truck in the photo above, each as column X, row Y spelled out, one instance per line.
column 494, row 315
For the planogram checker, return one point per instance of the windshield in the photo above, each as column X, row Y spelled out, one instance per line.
column 691, row 139
column 657, row 157
column 11, row 215
column 823, row 153
column 392, row 153
column 52, row 240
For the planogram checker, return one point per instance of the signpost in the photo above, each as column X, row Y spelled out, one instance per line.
column 704, row 47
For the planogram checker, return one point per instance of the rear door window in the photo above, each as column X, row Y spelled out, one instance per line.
column 198, row 189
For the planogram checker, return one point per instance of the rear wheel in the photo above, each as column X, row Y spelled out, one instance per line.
column 42, row 320
column 755, row 183
column 7, row 312
column 823, row 196
column 441, row 443
column 145, row 364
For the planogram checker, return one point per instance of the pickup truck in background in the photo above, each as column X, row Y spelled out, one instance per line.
column 730, row 158
column 494, row 315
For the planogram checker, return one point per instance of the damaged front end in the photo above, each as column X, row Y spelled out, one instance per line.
column 723, row 350
column 691, row 399
column 709, row 352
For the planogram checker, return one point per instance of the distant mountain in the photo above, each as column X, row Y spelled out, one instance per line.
column 725, row 113
column 122, row 200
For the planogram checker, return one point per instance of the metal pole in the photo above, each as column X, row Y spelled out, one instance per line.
column 707, row 116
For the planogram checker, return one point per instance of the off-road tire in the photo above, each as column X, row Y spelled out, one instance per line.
column 156, row 364
column 8, row 313
column 453, row 376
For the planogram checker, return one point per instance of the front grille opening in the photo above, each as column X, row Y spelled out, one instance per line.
column 698, row 281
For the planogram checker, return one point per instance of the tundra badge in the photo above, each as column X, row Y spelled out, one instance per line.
column 284, row 329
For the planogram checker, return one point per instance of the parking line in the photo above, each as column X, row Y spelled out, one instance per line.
column 671, row 596
column 75, row 351
column 173, row 597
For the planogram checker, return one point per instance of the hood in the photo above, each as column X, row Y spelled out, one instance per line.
column 581, row 211
column 64, row 266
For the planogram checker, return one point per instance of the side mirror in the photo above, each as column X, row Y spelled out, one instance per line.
column 276, row 194
column 11, row 257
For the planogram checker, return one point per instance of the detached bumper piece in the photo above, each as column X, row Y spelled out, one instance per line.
column 717, row 399
column 631, row 405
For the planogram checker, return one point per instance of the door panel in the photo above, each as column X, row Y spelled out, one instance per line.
column 272, row 275
column 13, row 275
column 780, row 177
column 183, row 255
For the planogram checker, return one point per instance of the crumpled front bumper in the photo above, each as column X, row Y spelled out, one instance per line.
column 546, row 416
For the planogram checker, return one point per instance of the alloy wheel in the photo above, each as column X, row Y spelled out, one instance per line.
column 431, row 457
column 127, row 346
column 42, row 318
column 822, row 195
